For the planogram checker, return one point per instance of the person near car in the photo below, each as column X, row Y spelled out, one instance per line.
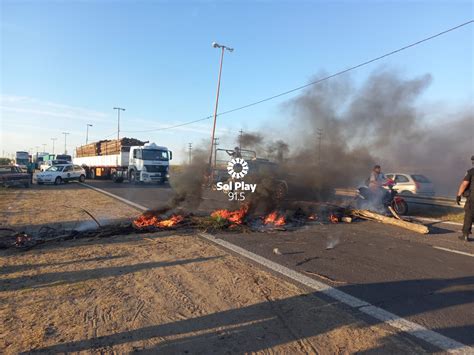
column 30, row 169
column 375, row 183
column 466, row 189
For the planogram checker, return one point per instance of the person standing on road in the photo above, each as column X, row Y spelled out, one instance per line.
column 30, row 168
column 465, row 189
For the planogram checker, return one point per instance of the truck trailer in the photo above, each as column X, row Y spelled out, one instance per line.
column 125, row 159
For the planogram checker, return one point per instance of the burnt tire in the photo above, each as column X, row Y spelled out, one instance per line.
column 401, row 207
column 58, row 180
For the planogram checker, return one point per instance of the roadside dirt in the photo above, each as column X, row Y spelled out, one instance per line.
column 161, row 292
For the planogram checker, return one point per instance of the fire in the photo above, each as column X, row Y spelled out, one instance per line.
column 312, row 217
column 273, row 218
column 235, row 217
column 153, row 221
column 333, row 218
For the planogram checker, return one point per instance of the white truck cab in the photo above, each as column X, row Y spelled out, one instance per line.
column 149, row 163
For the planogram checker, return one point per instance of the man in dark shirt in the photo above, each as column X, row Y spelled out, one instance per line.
column 466, row 189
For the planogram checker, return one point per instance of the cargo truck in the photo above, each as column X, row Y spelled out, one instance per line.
column 125, row 159
column 22, row 159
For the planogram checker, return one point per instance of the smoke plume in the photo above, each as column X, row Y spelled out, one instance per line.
column 340, row 131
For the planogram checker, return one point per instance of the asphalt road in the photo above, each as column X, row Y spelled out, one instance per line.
column 397, row 270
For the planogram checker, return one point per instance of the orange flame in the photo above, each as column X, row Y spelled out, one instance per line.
column 273, row 218
column 153, row 221
column 312, row 217
column 235, row 217
column 333, row 218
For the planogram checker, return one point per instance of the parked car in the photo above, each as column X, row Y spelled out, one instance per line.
column 60, row 173
column 11, row 175
column 47, row 164
column 412, row 184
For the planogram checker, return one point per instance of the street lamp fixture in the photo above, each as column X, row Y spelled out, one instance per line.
column 87, row 132
column 118, row 121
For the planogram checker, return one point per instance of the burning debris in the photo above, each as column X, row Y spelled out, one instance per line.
column 145, row 220
column 275, row 219
column 233, row 217
column 239, row 220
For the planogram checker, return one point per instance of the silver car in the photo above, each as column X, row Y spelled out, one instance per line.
column 416, row 184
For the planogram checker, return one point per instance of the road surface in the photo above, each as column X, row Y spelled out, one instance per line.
column 419, row 278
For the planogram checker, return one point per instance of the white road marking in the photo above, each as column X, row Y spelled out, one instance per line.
column 133, row 204
column 416, row 330
column 435, row 220
column 454, row 251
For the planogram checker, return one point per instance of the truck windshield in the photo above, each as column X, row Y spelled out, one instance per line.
column 153, row 154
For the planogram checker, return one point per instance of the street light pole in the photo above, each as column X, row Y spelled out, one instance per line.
column 223, row 48
column 118, row 121
column 53, row 139
column 87, row 132
column 44, row 147
column 65, row 135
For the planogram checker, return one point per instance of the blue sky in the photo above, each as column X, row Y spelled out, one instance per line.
column 66, row 63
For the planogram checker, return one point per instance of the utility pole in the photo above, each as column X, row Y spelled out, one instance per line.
column 223, row 48
column 65, row 135
column 44, row 147
column 87, row 132
column 216, row 143
column 190, row 153
column 53, row 139
column 319, row 133
column 240, row 138
column 118, row 121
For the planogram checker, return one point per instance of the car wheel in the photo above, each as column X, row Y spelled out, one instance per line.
column 82, row 178
column 58, row 180
column 132, row 177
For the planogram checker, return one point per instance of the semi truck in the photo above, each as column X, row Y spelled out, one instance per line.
column 125, row 159
column 22, row 159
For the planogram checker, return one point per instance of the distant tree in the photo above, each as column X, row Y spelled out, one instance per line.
column 5, row 161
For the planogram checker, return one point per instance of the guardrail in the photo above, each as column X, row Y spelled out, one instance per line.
column 416, row 199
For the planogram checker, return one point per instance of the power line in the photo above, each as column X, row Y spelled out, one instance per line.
column 314, row 82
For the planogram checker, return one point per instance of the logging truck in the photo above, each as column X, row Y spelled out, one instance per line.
column 125, row 159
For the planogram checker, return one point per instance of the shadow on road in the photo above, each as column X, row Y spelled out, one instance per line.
column 275, row 322
column 70, row 277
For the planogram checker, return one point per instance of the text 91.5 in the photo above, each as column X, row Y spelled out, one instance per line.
column 236, row 196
